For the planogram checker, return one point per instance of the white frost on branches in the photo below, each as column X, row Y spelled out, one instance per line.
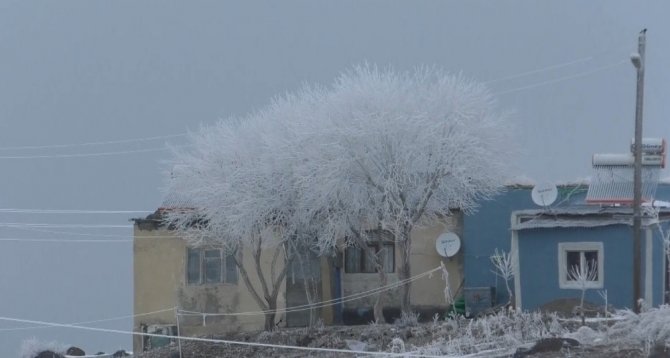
column 377, row 150
column 503, row 264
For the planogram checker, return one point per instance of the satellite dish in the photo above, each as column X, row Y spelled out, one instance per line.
column 544, row 194
column 447, row 244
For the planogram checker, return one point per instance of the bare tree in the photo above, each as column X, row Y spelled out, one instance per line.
column 503, row 264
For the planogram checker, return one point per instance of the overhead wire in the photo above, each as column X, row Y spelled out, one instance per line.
column 15, row 239
column 93, row 321
column 118, row 141
column 80, row 226
column 90, row 234
column 144, row 139
column 285, row 310
column 539, row 84
column 331, row 302
column 221, row 341
column 81, row 155
column 70, row 211
column 564, row 78
column 540, row 70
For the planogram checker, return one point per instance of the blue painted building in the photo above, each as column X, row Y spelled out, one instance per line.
column 547, row 243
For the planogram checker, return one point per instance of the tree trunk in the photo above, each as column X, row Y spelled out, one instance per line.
column 269, row 300
column 379, row 303
column 404, row 271
column 378, row 307
column 271, row 316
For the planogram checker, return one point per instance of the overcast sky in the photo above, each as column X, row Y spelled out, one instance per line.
column 75, row 72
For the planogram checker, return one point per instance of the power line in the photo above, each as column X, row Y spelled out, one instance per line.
column 66, row 240
column 66, row 211
column 79, row 226
column 81, row 155
column 539, row 70
column 95, row 235
column 119, row 141
column 222, row 341
column 332, row 302
column 94, row 321
column 564, row 78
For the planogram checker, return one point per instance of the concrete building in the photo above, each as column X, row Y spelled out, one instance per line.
column 170, row 274
column 547, row 242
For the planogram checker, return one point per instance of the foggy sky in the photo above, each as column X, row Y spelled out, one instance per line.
column 88, row 71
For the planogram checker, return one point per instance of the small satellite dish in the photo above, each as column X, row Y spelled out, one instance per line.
column 447, row 244
column 544, row 194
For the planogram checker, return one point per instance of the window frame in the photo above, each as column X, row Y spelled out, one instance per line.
column 581, row 247
column 363, row 257
column 223, row 259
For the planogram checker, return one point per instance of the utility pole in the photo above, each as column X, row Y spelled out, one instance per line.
column 638, row 62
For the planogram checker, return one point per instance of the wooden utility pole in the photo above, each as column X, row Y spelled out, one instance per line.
column 638, row 62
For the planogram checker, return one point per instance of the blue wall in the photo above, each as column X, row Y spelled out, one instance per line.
column 538, row 263
column 538, row 260
column 489, row 228
column 658, row 264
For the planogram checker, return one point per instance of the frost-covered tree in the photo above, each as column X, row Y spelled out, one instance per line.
column 583, row 276
column 240, row 197
column 394, row 151
column 370, row 158
column 503, row 265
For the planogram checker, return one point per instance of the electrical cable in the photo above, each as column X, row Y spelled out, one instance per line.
column 119, row 141
column 67, row 211
column 222, row 341
column 318, row 304
column 81, row 155
column 79, row 226
column 564, row 78
column 13, row 239
column 94, row 321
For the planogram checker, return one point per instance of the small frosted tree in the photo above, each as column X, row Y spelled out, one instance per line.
column 583, row 276
column 503, row 265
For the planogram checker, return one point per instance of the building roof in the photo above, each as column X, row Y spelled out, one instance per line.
column 585, row 216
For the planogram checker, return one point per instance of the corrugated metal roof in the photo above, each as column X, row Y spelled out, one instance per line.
column 614, row 184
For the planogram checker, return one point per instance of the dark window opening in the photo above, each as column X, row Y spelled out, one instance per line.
column 210, row 266
column 358, row 261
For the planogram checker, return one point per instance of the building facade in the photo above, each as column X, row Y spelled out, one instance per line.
column 205, row 287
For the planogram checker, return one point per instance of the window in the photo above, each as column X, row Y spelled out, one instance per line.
column 584, row 257
column 209, row 266
column 357, row 261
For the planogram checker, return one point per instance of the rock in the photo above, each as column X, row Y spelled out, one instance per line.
column 48, row 354
column 75, row 351
column 120, row 353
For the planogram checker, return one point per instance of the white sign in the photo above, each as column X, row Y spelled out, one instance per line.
column 447, row 244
